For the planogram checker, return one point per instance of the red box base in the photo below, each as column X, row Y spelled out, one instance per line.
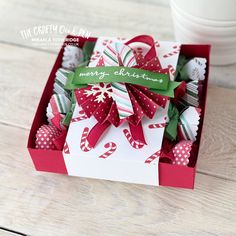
column 169, row 175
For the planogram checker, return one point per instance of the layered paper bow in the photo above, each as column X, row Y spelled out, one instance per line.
column 124, row 92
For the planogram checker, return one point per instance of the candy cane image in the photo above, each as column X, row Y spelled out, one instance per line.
column 84, row 145
column 171, row 69
column 153, row 157
column 154, row 126
column 82, row 116
column 95, row 55
column 66, row 148
column 172, row 53
column 133, row 143
column 139, row 50
column 157, row 44
column 106, row 41
column 121, row 39
column 112, row 148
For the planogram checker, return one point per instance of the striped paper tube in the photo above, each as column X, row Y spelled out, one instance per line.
column 60, row 82
column 189, row 121
column 117, row 54
column 59, row 104
column 191, row 96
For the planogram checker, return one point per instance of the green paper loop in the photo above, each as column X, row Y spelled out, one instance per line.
column 112, row 74
column 170, row 90
column 158, row 83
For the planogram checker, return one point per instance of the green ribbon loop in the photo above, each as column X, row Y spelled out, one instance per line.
column 171, row 128
column 68, row 117
column 157, row 82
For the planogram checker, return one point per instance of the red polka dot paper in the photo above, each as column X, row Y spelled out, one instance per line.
column 181, row 152
column 45, row 137
column 97, row 101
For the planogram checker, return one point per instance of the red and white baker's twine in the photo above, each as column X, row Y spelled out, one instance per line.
column 112, row 148
column 172, row 53
column 135, row 144
column 66, row 148
column 153, row 157
column 84, row 145
column 154, row 126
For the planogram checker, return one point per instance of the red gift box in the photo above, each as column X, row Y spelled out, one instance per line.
column 169, row 175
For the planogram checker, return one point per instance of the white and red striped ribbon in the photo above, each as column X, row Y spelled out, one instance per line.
column 116, row 54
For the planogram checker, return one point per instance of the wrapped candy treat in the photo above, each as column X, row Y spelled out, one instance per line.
column 189, row 121
column 72, row 57
column 60, row 82
column 59, row 105
column 46, row 136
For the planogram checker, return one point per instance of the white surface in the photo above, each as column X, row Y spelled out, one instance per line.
column 115, row 170
column 126, row 163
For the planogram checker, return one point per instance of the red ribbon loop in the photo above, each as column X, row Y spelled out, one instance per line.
column 96, row 132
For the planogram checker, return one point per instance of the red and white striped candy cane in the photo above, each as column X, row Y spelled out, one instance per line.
column 112, row 148
column 82, row 116
column 135, row 144
column 157, row 44
column 66, row 148
column 139, row 50
column 153, row 157
column 121, row 39
column 95, row 55
column 154, row 126
column 171, row 69
column 79, row 118
column 172, row 53
column 84, row 145
column 106, row 42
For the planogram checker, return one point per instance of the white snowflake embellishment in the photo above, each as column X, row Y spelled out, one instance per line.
column 100, row 91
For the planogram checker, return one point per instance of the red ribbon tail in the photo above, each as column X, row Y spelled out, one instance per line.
column 137, row 132
column 96, row 132
column 167, row 155
column 59, row 142
column 56, row 121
